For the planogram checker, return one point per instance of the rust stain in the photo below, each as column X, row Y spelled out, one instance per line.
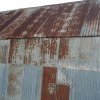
column 53, row 48
column 29, row 46
column 29, row 22
column 44, row 51
column 11, row 19
column 45, row 47
column 62, row 92
column 50, row 89
column 48, row 83
column 63, row 49
column 17, row 51
column 14, row 80
column 62, row 20
column 5, row 17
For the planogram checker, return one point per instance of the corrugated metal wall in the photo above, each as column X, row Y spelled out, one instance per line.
column 23, row 62
column 51, row 52
column 84, row 85
column 56, row 52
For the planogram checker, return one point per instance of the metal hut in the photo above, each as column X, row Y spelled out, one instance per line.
column 51, row 52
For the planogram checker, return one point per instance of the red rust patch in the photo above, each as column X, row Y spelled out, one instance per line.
column 63, row 49
column 49, row 83
column 51, row 90
column 62, row 92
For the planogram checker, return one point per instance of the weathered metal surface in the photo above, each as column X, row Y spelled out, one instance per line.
column 91, row 25
column 62, row 20
column 49, row 83
column 62, row 92
column 57, row 52
column 52, row 52
column 15, row 75
column 72, row 61
column 50, row 89
column 84, row 85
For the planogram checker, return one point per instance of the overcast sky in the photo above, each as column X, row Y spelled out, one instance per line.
column 16, row 4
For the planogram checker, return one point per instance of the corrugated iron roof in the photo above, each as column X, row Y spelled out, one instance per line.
column 75, row 19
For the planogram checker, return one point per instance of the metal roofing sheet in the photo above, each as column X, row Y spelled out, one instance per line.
column 75, row 19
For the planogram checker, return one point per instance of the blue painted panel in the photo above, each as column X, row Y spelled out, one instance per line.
column 31, row 83
column 85, row 85
column 3, row 80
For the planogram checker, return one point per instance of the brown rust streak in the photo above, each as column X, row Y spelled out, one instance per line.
column 14, row 80
column 77, row 20
column 11, row 20
column 36, row 25
column 6, row 17
column 62, row 92
column 50, row 89
column 53, row 48
column 48, row 83
column 57, row 24
column 12, row 48
column 45, row 45
column 63, row 48
column 16, row 53
column 29, row 46
column 23, row 27
column 55, row 21
column 49, row 46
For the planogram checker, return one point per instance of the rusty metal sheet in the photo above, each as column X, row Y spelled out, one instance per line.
column 84, row 85
column 49, row 83
column 75, row 84
column 62, row 92
column 50, row 89
column 8, row 18
column 21, row 82
column 44, row 54
column 73, row 19
column 56, row 52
